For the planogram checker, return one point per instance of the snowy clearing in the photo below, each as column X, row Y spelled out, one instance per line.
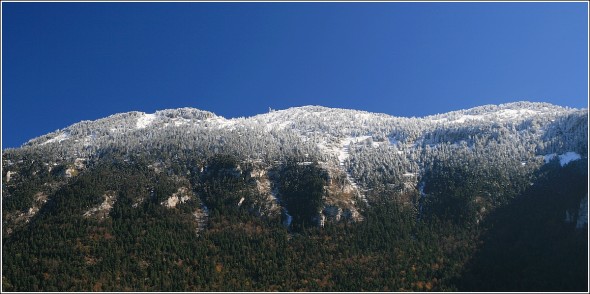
column 58, row 138
column 145, row 121
column 222, row 122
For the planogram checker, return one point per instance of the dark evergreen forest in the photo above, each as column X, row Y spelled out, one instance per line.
column 440, row 244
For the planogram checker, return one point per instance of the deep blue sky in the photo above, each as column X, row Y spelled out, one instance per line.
column 66, row 62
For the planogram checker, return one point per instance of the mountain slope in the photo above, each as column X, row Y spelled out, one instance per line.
column 362, row 151
column 331, row 180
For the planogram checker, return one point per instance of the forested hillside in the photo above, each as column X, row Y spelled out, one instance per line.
column 492, row 198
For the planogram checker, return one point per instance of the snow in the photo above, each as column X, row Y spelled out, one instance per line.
column 568, row 157
column 549, row 157
column 563, row 158
column 363, row 116
column 467, row 117
column 344, row 151
column 58, row 138
column 181, row 121
column 515, row 113
column 277, row 124
column 222, row 122
column 88, row 140
column 145, row 120
column 499, row 115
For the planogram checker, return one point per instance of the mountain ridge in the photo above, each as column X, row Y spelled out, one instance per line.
column 198, row 114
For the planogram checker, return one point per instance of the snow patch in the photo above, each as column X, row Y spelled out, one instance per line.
column 568, row 157
column 343, row 154
column 467, row 117
column 145, row 120
column 223, row 123
column 58, row 138
column 181, row 121
column 500, row 115
column 563, row 158
column 515, row 113
column 549, row 157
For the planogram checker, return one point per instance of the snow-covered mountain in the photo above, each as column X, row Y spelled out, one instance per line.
column 306, row 198
column 312, row 128
column 367, row 155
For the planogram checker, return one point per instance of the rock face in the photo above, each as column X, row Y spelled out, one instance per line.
column 9, row 175
column 182, row 195
column 264, row 186
column 201, row 215
column 21, row 217
column 102, row 211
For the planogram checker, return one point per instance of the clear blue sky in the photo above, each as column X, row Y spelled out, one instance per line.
column 66, row 62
